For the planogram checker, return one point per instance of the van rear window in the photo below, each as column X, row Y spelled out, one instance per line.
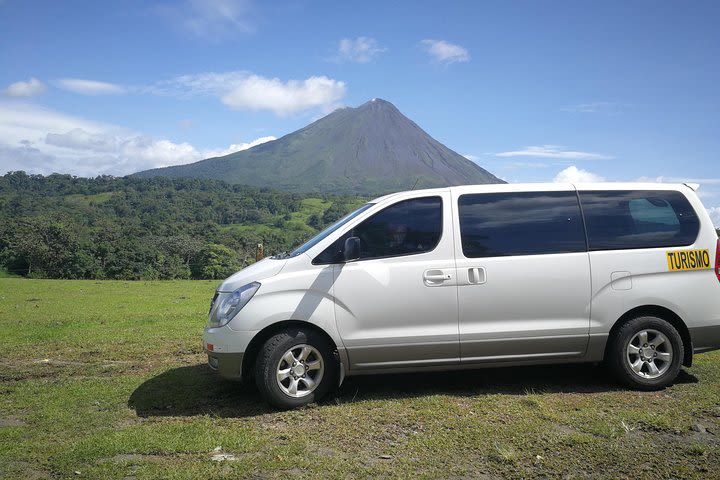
column 520, row 223
column 638, row 219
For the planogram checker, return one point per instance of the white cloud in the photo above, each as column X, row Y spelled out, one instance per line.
column 572, row 174
column 43, row 141
column 89, row 87
column 186, row 124
column 708, row 190
column 237, row 147
column 79, row 139
column 31, row 88
column 26, row 122
column 553, row 151
column 666, row 179
column 608, row 108
column 529, row 165
column 715, row 215
column 258, row 93
column 445, row 52
column 211, row 19
column 243, row 90
column 359, row 50
column 136, row 152
column 210, row 83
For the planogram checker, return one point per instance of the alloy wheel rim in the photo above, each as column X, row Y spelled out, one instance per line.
column 649, row 354
column 300, row 370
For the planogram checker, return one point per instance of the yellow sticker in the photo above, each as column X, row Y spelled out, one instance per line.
column 688, row 260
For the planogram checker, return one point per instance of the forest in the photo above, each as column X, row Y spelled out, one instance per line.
column 61, row 226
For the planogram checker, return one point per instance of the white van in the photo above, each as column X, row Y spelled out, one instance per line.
column 479, row 276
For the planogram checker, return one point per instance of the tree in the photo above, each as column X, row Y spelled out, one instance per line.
column 50, row 248
column 62, row 226
column 216, row 262
column 315, row 222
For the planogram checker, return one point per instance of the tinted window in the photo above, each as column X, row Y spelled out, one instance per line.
column 525, row 223
column 405, row 228
column 335, row 226
column 638, row 219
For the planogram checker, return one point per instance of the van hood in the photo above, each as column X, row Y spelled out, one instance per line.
column 256, row 272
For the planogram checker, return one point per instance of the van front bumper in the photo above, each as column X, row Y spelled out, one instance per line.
column 225, row 349
column 228, row 365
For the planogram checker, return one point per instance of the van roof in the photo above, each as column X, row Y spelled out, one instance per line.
column 521, row 187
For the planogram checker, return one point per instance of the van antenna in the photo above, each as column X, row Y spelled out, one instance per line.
column 415, row 184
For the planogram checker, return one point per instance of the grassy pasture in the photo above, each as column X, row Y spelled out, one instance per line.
column 107, row 380
column 295, row 227
column 77, row 199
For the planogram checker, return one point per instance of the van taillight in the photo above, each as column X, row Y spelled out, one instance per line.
column 717, row 260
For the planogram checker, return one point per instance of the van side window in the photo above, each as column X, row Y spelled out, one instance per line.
column 522, row 223
column 638, row 219
column 405, row 228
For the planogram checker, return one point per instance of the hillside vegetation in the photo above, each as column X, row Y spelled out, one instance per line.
column 148, row 228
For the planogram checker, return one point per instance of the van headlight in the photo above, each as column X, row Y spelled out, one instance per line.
column 228, row 304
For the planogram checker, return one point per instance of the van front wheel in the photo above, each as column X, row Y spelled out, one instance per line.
column 646, row 353
column 295, row 367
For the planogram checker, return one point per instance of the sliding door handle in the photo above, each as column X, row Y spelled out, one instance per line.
column 477, row 275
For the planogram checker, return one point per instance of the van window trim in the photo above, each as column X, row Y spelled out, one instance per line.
column 635, row 190
column 588, row 248
column 358, row 212
column 440, row 239
column 582, row 216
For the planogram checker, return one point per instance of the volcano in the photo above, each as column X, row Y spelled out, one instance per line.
column 369, row 150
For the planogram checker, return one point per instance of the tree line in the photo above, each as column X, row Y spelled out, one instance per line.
column 61, row 226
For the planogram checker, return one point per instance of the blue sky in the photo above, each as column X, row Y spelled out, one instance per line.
column 531, row 90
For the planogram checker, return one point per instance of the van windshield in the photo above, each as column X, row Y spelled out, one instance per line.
column 320, row 236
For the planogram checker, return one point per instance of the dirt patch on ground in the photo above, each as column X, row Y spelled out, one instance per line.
column 11, row 422
column 567, row 430
column 134, row 458
column 16, row 370
column 692, row 438
column 28, row 472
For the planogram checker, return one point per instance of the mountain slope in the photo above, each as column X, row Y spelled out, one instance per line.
column 371, row 149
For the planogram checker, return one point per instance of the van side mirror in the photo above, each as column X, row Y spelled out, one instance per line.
column 352, row 249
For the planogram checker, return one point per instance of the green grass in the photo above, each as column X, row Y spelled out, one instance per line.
column 5, row 274
column 86, row 200
column 108, row 379
column 297, row 223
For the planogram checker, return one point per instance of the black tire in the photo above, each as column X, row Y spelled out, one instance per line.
column 271, row 360
column 656, row 369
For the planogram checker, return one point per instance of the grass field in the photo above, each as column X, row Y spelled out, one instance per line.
column 5, row 274
column 107, row 380
column 87, row 200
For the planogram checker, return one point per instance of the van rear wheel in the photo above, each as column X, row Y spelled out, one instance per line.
column 294, row 368
column 646, row 353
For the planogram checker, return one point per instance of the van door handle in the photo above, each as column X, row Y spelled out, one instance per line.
column 477, row 275
column 437, row 278
column 434, row 277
